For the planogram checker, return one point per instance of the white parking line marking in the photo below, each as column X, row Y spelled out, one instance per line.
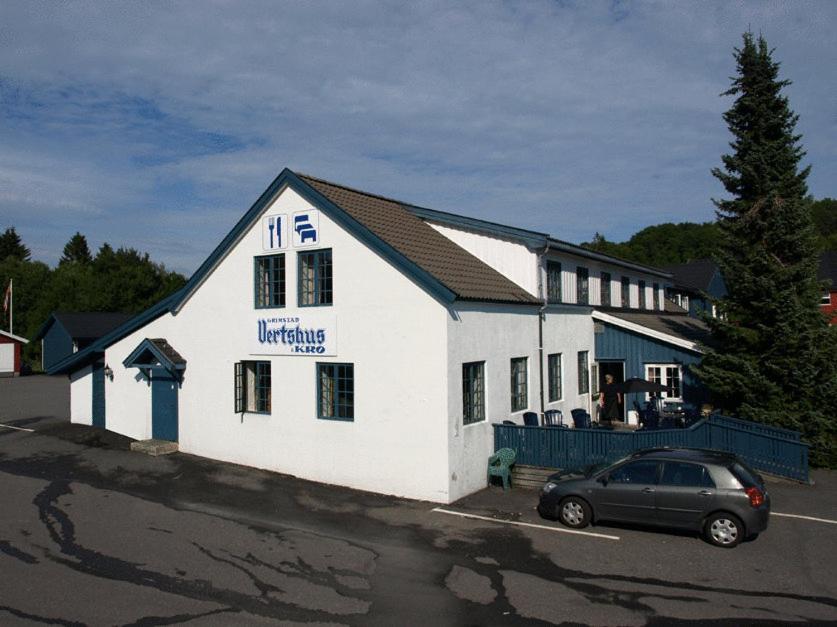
column 823, row 520
column 523, row 524
column 17, row 428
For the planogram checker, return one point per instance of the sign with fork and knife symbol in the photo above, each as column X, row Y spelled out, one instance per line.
column 305, row 230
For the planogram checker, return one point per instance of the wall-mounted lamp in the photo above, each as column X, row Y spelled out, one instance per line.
column 109, row 372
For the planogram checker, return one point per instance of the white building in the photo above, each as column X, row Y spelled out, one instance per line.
column 351, row 339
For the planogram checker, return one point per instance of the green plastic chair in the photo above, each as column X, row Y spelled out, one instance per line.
column 499, row 465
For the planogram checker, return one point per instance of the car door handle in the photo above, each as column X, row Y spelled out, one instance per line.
column 705, row 493
column 648, row 490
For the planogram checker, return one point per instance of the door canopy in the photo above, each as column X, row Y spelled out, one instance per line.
column 156, row 353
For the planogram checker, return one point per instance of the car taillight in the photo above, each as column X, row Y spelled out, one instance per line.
column 756, row 496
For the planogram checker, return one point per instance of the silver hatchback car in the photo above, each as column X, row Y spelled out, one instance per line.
column 706, row 491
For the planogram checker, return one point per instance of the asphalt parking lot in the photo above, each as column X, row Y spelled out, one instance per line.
column 93, row 534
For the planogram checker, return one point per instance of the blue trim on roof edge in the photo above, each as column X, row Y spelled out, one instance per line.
column 529, row 237
column 165, row 362
column 82, row 358
column 287, row 178
column 532, row 238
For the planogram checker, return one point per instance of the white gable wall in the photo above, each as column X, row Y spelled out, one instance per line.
column 511, row 259
column 391, row 330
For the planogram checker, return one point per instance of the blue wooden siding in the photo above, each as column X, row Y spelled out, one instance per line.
column 635, row 350
column 99, row 419
column 57, row 345
column 765, row 448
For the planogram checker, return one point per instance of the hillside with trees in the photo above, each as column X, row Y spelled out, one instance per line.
column 123, row 280
column 669, row 244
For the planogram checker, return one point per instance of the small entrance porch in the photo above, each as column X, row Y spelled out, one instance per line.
column 163, row 368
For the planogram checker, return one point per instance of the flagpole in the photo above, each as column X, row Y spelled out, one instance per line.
column 11, row 307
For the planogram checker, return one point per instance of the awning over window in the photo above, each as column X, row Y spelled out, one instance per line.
column 155, row 353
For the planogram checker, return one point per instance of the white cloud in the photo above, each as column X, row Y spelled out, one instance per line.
column 562, row 117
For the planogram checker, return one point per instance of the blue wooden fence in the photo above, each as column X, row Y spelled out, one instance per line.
column 765, row 448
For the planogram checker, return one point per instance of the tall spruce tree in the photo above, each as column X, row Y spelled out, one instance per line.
column 76, row 250
column 773, row 358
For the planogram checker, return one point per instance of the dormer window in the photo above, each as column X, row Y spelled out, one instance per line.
column 626, row 291
column 642, row 302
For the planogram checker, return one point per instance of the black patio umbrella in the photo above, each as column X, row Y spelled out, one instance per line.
column 635, row 385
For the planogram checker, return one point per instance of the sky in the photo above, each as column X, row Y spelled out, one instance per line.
column 156, row 125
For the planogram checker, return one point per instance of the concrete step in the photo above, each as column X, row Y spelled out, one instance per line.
column 533, row 477
column 154, row 447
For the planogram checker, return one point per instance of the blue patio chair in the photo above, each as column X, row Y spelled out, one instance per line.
column 530, row 419
column 499, row 465
column 649, row 420
column 581, row 419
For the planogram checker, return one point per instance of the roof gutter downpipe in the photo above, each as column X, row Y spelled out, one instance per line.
column 541, row 315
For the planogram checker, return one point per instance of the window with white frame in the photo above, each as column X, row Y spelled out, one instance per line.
column 668, row 375
column 826, row 299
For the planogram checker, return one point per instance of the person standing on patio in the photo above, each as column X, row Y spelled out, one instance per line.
column 609, row 401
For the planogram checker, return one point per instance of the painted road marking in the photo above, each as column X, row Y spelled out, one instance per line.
column 822, row 520
column 523, row 524
column 16, row 428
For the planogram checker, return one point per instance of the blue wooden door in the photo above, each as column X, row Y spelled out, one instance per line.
column 163, row 405
column 98, row 409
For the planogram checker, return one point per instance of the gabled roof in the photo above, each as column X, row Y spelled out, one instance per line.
column 462, row 273
column 443, row 268
column 694, row 275
column 14, row 337
column 155, row 352
column 676, row 329
column 89, row 354
column 84, row 325
column 828, row 268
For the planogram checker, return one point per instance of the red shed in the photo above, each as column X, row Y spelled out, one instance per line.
column 10, row 346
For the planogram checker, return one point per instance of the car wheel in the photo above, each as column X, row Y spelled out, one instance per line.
column 724, row 530
column 574, row 512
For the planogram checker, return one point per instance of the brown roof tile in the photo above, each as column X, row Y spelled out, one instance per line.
column 457, row 269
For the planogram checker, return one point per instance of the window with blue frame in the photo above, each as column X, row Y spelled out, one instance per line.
column 519, row 384
column 252, row 387
column 315, row 284
column 269, row 275
column 473, row 392
column 553, row 281
column 554, row 375
column 582, row 286
column 336, row 391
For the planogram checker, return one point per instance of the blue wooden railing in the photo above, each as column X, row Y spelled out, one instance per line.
column 768, row 449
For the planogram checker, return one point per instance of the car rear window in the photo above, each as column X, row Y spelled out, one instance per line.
column 746, row 476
